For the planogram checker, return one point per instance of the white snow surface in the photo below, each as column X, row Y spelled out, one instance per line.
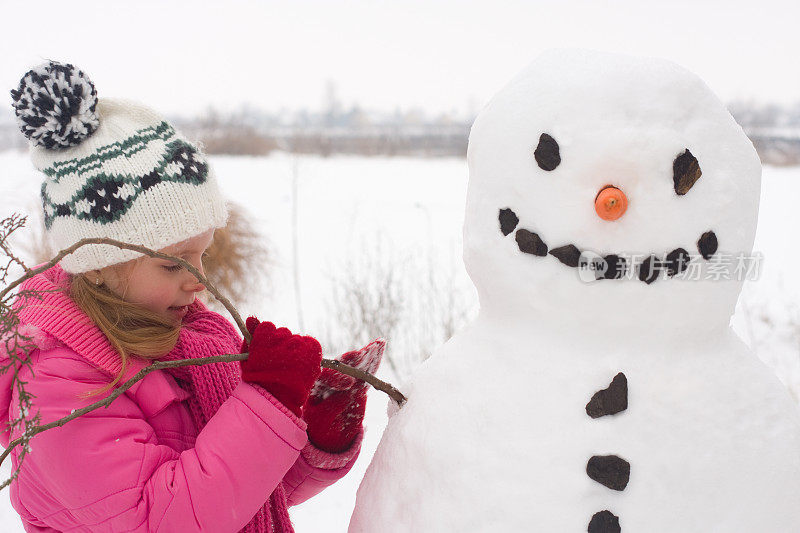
column 495, row 435
column 413, row 202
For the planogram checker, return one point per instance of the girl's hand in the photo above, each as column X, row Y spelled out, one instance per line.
column 335, row 410
column 286, row 365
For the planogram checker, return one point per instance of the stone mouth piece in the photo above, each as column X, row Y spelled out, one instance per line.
column 615, row 265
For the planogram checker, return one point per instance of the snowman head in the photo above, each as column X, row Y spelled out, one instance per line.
column 609, row 191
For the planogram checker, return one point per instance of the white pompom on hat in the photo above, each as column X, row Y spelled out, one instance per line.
column 113, row 168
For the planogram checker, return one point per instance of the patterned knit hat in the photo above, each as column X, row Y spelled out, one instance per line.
column 113, row 168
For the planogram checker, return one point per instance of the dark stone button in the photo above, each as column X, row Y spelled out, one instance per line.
column 611, row 400
column 604, row 522
column 610, row 471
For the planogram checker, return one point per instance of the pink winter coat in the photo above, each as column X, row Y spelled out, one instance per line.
column 142, row 464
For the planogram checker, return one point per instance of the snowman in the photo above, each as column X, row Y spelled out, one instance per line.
column 600, row 388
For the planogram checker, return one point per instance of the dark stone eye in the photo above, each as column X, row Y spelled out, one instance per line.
column 685, row 172
column 547, row 155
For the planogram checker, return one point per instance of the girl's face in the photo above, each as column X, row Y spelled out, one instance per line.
column 161, row 286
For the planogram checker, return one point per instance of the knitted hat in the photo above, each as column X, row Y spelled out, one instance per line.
column 113, row 168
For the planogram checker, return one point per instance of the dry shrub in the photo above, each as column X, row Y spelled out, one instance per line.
column 236, row 141
column 368, row 301
column 35, row 247
column 237, row 260
column 415, row 298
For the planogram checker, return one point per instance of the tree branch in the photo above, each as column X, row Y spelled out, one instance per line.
column 392, row 392
column 29, row 432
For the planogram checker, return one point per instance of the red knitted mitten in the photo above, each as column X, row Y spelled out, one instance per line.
column 284, row 364
column 335, row 409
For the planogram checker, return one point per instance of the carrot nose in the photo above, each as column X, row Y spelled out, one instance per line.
column 610, row 203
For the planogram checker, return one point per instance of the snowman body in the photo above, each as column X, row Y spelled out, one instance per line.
column 594, row 400
column 491, row 443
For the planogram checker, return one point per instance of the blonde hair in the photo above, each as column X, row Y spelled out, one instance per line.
column 132, row 330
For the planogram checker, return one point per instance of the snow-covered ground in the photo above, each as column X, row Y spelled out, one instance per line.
column 349, row 205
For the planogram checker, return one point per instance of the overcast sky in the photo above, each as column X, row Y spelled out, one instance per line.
column 181, row 57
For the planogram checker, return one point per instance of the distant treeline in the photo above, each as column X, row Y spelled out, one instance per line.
column 774, row 130
column 420, row 142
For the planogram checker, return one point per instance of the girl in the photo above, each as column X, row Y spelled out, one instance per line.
column 219, row 447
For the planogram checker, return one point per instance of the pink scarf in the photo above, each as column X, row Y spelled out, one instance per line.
column 203, row 334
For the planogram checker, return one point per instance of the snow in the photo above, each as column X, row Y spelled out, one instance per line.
column 345, row 201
